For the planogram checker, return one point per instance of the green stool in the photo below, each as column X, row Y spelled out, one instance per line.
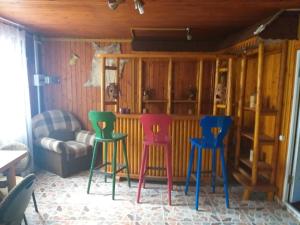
column 103, row 124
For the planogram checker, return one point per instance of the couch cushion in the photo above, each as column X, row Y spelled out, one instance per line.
column 85, row 136
column 76, row 149
column 44, row 123
column 62, row 135
column 51, row 144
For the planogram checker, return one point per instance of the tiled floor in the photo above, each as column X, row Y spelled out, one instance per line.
column 64, row 201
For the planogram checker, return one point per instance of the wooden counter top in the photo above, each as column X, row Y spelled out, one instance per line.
column 175, row 117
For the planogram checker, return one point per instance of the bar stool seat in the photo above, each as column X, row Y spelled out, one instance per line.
column 156, row 132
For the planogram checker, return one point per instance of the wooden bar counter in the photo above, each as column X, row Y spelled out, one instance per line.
column 182, row 129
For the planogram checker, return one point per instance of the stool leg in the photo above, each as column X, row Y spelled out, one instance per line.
column 145, row 166
column 198, row 178
column 126, row 160
column 105, row 161
column 141, row 176
column 25, row 220
column 224, row 172
column 188, row 177
column 92, row 166
column 168, row 158
column 213, row 177
column 114, row 165
column 34, row 202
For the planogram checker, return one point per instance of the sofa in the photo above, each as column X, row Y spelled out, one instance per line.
column 60, row 144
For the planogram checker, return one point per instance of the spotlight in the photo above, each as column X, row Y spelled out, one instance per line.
column 139, row 5
column 188, row 34
column 113, row 4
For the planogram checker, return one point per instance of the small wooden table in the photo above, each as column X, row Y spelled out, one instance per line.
column 8, row 161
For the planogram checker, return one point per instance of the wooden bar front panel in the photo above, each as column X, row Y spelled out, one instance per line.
column 182, row 129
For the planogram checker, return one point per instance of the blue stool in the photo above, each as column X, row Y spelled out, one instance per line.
column 209, row 141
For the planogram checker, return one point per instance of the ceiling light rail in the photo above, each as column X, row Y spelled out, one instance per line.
column 138, row 5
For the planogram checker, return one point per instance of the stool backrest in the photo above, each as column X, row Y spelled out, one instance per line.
column 103, row 123
column 156, row 127
column 13, row 206
column 214, row 129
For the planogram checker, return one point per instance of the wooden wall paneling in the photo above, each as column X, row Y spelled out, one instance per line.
column 169, row 97
column 140, row 84
column 185, row 78
column 133, row 86
column 289, row 76
column 283, row 61
column 208, row 84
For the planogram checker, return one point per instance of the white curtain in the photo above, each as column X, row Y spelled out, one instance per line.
column 15, row 115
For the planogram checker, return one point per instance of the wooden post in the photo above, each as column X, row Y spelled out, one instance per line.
column 117, row 82
column 169, row 87
column 240, row 111
column 102, row 83
column 199, row 86
column 216, row 85
column 257, row 112
column 229, row 88
column 133, row 101
column 140, row 91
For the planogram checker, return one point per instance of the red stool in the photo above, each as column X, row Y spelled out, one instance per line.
column 161, row 137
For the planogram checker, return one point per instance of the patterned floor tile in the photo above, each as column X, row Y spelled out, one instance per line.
column 64, row 201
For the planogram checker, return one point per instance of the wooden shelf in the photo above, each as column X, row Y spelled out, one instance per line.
column 155, row 101
column 223, row 69
column 263, row 166
column 221, row 106
column 261, row 186
column 111, row 67
column 264, row 139
column 263, row 111
column 184, row 101
column 110, row 102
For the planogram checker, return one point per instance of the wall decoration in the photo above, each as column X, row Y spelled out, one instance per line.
column 110, row 75
column 73, row 59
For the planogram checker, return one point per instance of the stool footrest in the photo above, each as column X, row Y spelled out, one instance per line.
column 218, row 178
column 119, row 168
column 155, row 168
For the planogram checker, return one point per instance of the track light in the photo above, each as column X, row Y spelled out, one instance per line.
column 113, row 4
column 139, row 5
column 188, row 34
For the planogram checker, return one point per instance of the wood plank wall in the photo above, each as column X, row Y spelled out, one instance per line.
column 72, row 96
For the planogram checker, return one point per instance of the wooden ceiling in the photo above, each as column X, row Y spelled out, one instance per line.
column 209, row 19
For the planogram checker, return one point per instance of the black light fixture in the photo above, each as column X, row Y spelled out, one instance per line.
column 113, row 4
column 139, row 5
column 188, row 34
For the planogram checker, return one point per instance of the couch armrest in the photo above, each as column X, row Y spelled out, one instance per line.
column 85, row 136
column 52, row 144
